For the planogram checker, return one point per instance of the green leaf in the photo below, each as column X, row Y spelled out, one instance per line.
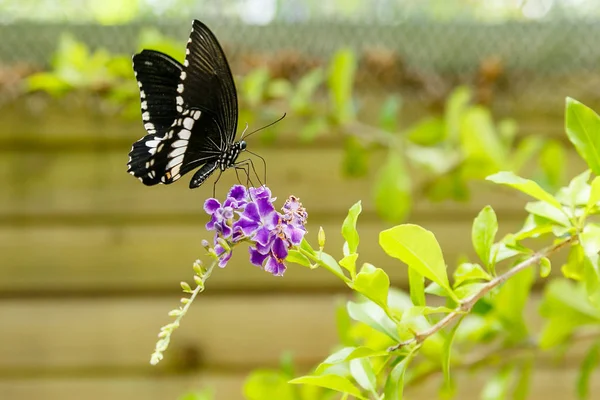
column 303, row 96
column 511, row 299
column 449, row 387
column 456, row 104
column 313, row 128
column 343, row 325
column 498, row 386
column 329, row 263
column 545, row 210
column 304, row 245
column 524, row 185
column 594, row 193
column 347, row 354
column 392, row 189
column 483, row 234
column 349, row 263
column 394, row 386
column 362, row 372
column 552, row 160
column 420, row 311
column 521, row 391
column 329, row 381
column 467, row 290
column 479, row 139
column 590, row 362
column 565, row 307
column 294, row 256
column 419, row 249
column 341, row 81
column 349, row 231
column 573, row 269
column 545, row 267
column 578, row 191
column 372, row 315
column 466, row 272
column 267, row 384
column 388, row 115
column 427, row 131
column 254, row 86
column 526, row 149
column 356, row 162
column 583, row 127
column 416, row 283
column 373, row 283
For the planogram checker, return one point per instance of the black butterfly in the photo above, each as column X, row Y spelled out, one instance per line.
column 190, row 112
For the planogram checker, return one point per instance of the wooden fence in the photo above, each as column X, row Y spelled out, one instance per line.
column 91, row 260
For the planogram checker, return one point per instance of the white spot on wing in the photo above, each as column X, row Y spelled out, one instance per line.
column 176, row 152
column 152, row 143
column 174, row 161
column 179, row 100
column 183, row 75
column 144, row 105
column 179, row 143
column 180, row 88
column 185, row 134
column 188, row 123
column 197, row 114
column 146, row 116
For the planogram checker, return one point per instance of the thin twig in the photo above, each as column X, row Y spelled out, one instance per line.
column 467, row 304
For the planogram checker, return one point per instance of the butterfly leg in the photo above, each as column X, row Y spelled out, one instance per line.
column 264, row 164
column 215, row 184
column 248, row 162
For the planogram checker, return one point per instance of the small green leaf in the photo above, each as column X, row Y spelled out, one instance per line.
column 321, row 237
column 302, row 96
column 521, row 391
column 312, row 129
column 479, row 139
column 467, row 290
column 394, row 386
column 388, row 115
column 330, row 381
column 304, row 245
column 416, row 283
column 578, row 191
column 552, row 161
column 419, row 249
column 349, row 231
column 267, row 384
column 485, row 227
column 329, row 263
column 590, row 362
column 573, row 269
column 456, row 104
column 254, row 85
column 583, row 126
column 524, row 185
column 347, row 354
column 341, row 82
column 355, row 163
column 545, row 267
column 446, row 355
column 545, row 210
column 392, row 189
column 511, row 299
column 294, row 256
column 498, row 386
column 362, row 372
column 373, row 283
column 349, row 263
column 419, row 311
column 372, row 315
column 594, row 193
column 427, row 132
column 467, row 272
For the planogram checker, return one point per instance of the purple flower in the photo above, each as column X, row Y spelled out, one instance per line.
column 270, row 233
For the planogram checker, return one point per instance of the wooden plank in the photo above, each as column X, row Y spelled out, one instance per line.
column 236, row 332
column 96, row 185
column 546, row 384
column 155, row 258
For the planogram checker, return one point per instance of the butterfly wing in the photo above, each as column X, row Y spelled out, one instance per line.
column 157, row 76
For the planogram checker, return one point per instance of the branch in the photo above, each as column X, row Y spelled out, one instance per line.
column 467, row 304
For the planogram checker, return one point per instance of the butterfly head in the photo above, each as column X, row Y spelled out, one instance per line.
column 241, row 145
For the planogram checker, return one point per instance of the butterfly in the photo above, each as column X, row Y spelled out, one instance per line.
column 190, row 114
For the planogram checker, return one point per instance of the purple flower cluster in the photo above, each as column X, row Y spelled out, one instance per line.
column 249, row 215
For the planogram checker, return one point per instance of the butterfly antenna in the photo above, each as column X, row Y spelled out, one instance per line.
column 266, row 126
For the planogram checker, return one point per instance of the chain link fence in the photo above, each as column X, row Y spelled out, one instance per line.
column 418, row 49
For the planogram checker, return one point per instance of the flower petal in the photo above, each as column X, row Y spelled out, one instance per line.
column 211, row 205
column 224, row 259
column 280, row 248
column 275, row 267
column 210, row 225
column 265, row 207
column 256, row 257
column 294, row 234
column 262, row 235
column 238, row 192
column 246, row 225
column 260, row 192
column 251, row 212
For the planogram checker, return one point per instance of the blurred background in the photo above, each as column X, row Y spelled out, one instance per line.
column 406, row 105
